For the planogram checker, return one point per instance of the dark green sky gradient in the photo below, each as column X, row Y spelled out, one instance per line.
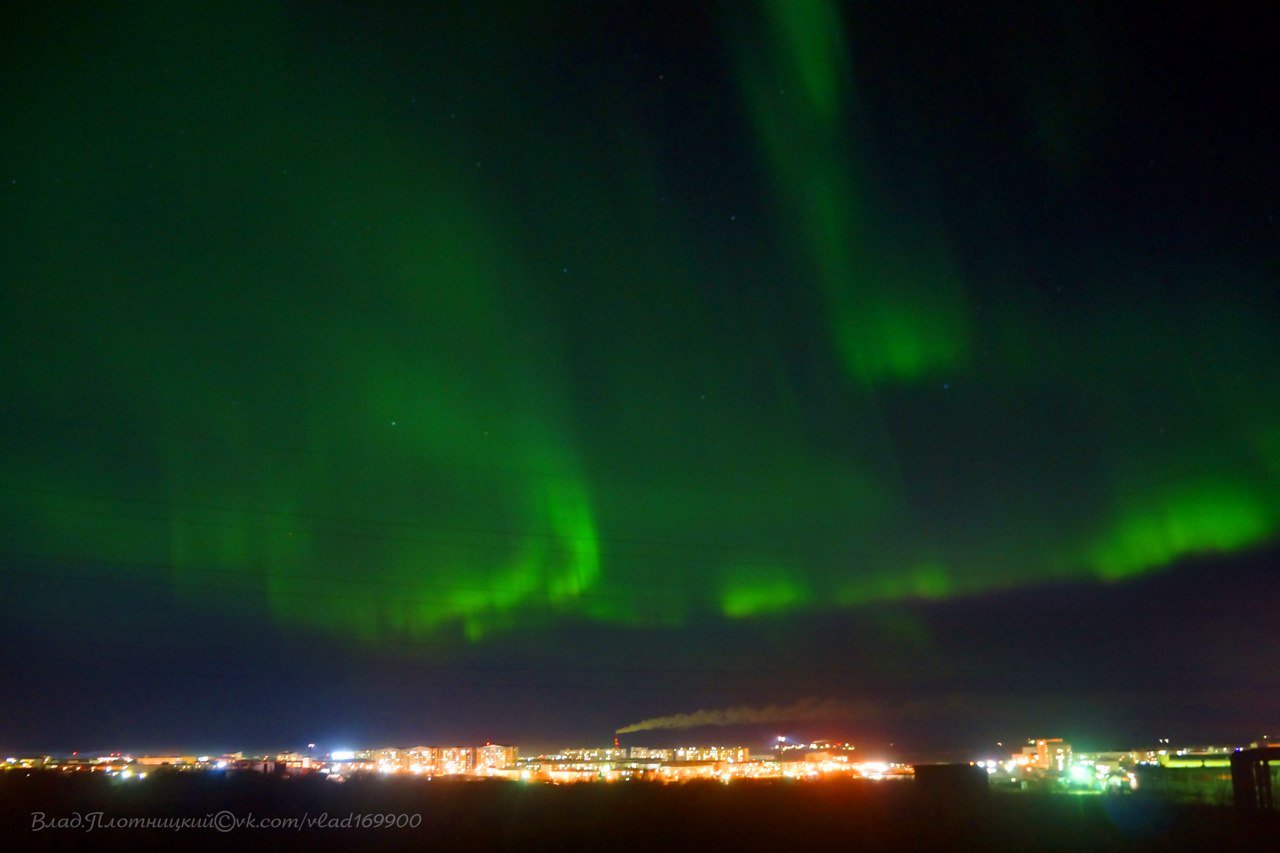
column 443, row 325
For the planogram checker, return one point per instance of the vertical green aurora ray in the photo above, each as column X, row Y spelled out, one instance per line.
column 895, row 305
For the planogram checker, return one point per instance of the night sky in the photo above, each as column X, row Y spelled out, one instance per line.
column 407, row 373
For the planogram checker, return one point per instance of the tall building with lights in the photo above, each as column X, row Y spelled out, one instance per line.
column 492, row 756
column 453, row 760
column 1052, row 753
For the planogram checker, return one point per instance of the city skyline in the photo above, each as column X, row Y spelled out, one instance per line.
column 1047, row 765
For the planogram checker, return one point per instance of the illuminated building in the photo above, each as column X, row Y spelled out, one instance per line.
column 176, row 761
column 292, row 761
column 1051, row 753
column 491, row 756
column 682, row 771
column 592, row 753
column 392, row 760
column 643, row 753
column 422, row 759
column 711, row 753
column 455, row 760
column 1186, row 758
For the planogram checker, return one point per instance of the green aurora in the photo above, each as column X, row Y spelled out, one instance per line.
column 419, row 344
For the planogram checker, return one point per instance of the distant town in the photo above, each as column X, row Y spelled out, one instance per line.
column 1200, row 773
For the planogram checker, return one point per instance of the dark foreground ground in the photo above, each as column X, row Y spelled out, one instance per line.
column 483, row 815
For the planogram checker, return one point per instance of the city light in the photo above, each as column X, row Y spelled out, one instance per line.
column 1043, row 764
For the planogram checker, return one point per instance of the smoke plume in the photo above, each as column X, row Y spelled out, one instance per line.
column 809, row 708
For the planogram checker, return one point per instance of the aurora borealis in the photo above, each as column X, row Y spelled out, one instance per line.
column 430, row 332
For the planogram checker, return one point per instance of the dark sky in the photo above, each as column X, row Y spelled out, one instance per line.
column 420, row 372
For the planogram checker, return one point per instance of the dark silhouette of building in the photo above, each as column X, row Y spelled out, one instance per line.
column 1254, row 780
